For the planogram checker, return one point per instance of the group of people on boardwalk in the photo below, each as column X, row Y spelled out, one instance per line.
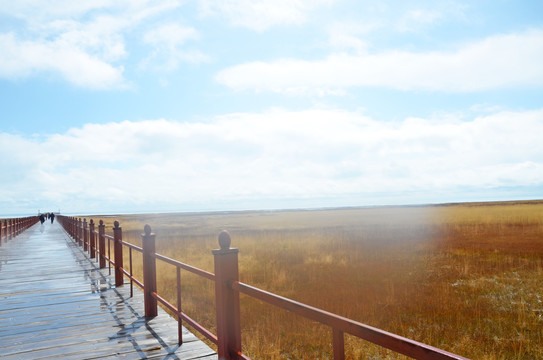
column 47, row 216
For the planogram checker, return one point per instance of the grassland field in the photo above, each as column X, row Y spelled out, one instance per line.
column 467, row 278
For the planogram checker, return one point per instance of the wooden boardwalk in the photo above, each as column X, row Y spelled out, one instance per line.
column 56, row 304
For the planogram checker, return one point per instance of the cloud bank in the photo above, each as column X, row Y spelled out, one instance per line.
column 500, row 61
column 278, row 155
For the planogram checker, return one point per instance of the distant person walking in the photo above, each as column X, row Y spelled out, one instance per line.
column 42, row 218
column 52, row 216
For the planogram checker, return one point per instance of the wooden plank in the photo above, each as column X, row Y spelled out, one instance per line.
column 55, row 303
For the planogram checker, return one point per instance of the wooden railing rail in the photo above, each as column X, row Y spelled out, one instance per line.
column 341, row 325
column 9, row 228
column 227, row 292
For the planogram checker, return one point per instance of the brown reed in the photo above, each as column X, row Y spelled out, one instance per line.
column 466, row 278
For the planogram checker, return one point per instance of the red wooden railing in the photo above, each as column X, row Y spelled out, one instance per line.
column 227, row 290
column 9, row 228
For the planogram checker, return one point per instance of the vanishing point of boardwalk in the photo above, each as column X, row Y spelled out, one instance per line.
column 55, row 303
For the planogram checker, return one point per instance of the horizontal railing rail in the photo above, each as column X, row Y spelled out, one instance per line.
column 192, row 269
column 227, row 291
column 11, row 227
column 341, row 325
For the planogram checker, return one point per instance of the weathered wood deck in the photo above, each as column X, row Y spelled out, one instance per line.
column 56, row 304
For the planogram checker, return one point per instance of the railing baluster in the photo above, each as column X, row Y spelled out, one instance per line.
column 85, row 236
column 118, row 248
column 80, row 232
column 179, row 311
column 149, row 271
column 109, row 254
column 131, row 273
column 102, row 243
column 338, row 344
column 92, row 240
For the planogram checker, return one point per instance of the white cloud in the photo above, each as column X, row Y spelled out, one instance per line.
column 81, row 42
column 496, row 62
column 23, row 58
column 170, row 35
column 273, row 155
column 39, row 9
column 168, row 41
column 101, row 37
column 45, row 11
column 346, row 36
column 260, row 15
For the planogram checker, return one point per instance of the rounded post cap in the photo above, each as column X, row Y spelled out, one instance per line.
column 147, row 230
column 224, row 240
column 116, row 224
column 101, row 222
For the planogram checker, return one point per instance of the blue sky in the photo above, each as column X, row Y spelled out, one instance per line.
column 166, row 105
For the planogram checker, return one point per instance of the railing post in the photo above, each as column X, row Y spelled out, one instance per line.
column 102, row 243
column 149, row 272
column 92, row 239
column 338, row 341
column 85, row 236
column 79, row 232
column 72, row 228
column 118, row 248
column 226, row 299
column 10, row 228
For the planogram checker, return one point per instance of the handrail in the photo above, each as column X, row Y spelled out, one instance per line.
column 192, row 269
column 227, row 290
column 11, row 227
column 132, row 246
column 379, row 337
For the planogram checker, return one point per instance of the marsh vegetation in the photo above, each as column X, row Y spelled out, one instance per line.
column 466, row 278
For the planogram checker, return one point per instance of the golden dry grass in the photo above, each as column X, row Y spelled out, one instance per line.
column 465, row 278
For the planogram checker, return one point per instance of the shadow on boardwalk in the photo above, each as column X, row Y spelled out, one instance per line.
column 55, row 303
